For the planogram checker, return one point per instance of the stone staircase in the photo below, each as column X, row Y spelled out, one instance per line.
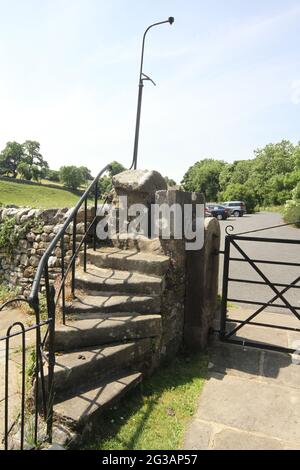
column 112, row 334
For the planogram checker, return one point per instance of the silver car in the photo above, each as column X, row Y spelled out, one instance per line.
column 237, row 208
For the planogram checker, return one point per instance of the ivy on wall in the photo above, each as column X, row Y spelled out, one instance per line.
column 11, row 232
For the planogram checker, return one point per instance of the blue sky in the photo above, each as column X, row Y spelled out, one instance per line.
column 227, row 73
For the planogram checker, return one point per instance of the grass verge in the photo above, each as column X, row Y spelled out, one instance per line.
column 277, row 209
column 24, row 195
column 154, row 416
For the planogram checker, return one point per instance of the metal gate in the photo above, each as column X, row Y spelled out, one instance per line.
column 238, row 329
column 26, row 395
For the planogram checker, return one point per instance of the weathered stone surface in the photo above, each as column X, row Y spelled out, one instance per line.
column 23, row 245
column 198, row 435
column 202, row 268
column 257, row 403
column 24, row 260
column 126, row 241
column 78, row 410
column 143, row 181
column 81, row 215
column 109, row 280
column 229, row 439
column 27, row 254
column 31, row 237
column 48, row 215
column 73, row 368
column 34, row 260
column 116, row 303
column 113, row 258
column 52, row 262
column 29, row 272
column 48, row 228
column 227, row 358
column 106, row 329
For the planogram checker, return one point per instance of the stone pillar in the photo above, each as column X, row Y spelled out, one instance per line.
column 173, row 302
column 202, row 269
column 139, row 187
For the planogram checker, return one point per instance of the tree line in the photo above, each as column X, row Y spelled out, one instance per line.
column 271, row 178
column 26, row 161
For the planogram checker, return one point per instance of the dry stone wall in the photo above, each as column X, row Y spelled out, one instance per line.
column 37, row 228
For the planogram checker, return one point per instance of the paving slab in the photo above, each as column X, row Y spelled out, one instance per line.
column 198, row 435
column 280, row 367
column 227, row 358
column 252, row 406
column 229, row 439
column 251, row 401
column 259, row 334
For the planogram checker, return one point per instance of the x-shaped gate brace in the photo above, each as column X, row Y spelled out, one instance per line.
column 227, row 336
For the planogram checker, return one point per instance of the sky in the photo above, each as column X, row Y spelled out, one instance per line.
column 227, row 74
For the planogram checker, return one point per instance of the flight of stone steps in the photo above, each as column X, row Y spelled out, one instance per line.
column 111, row 337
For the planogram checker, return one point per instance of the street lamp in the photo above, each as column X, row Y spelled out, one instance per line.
column 143, row 77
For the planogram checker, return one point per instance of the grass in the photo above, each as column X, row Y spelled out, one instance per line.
column 154, row 416
column 277, row 209
column 24, row 195
column 6, row 293
column 60, row 185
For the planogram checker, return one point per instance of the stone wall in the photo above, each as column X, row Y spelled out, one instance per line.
column 17, row 269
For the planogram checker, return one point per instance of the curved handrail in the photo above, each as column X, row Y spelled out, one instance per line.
column 43, row 262
column 11, row 301
column 47, row 391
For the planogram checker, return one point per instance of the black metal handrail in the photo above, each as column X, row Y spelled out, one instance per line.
column 42, row 273
column 59, row 236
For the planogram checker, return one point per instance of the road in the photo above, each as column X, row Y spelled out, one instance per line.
column 263, row 251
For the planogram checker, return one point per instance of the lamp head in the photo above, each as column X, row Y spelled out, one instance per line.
column 171, row 20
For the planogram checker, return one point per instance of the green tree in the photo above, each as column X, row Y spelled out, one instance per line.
column 236, row 172
column 171, row 183
column 72, row 176
column 34, row 159
column 86, row 173
column 116, row 168
column 239, row 192
column 105, row 183
column 25, row 171
column 270, row 162
column 10, row 158
column 204, row 177
column 52, row 175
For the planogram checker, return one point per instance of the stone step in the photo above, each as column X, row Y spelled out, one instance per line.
column 80, row 367
column 128, row 260
column 113, row 303
column 105, row 330
column 127, row 241
column 78, row 411
column 99, row 280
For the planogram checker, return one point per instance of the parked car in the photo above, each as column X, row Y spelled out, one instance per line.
column 237, row 208
column 217, row 211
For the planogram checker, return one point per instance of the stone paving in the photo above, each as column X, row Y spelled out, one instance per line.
column 251, row 401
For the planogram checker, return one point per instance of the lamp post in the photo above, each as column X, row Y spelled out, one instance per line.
column 140, row 94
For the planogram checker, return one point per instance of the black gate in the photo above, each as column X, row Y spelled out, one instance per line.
column 235, row 325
